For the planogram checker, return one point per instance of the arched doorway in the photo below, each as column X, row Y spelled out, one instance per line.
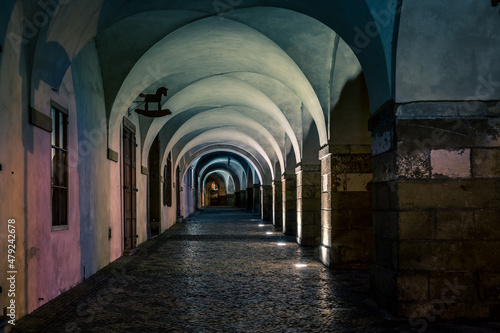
column 215, row 191
column 214, row 194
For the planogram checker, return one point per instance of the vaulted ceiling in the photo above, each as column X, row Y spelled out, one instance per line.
column 256, row 78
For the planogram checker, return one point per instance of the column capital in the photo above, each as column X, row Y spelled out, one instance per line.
column 308, row 168
column 344, row 150
column 288, row 176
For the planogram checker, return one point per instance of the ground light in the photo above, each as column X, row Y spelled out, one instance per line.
column 300, row 265
column 269, row 233
column 281, row 244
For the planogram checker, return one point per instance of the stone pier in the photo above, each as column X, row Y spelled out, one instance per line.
column 437, row 209
column 250, row 206
column 289, row 183
column 256, row 199
column 267, row 202
column 346, row 206
column 277, row 204
column 309, row 204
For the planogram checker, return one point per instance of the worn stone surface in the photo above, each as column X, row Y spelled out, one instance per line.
column 442, row 109
column 422, row 135
column 416, row 225
column 486, row 162
column 451, row 164
column 382, row 142
column 413, row 286
column 455, row 225
column 446, row 194
column 385, row 167
column 487, row 223
column 220, row 272
column 413, row 166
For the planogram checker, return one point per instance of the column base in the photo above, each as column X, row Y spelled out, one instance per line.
column 341, row 257
column 307, row 241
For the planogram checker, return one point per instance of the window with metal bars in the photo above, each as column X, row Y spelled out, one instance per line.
column 59, row 142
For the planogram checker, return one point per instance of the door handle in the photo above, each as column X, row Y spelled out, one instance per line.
column 136, row 190
column 126, row 188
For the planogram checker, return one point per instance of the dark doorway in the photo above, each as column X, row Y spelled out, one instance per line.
column 178, row 191
column 154, row 188
column 129, row 190
column 214, row 194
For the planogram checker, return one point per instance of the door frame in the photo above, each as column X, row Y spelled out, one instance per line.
column 129, row 243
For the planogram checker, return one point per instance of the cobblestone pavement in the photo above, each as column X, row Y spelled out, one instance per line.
column 221, row 271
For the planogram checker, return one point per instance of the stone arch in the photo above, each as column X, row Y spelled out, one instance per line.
column 217, row 119
column 252, row 163
column 245, row 142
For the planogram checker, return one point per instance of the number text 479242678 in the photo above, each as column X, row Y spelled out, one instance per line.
column 11, row 272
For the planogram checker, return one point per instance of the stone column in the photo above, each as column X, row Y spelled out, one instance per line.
column 309, row 204
column 277, row 204
column 237, row 199
column 230, row 199
column 346, row 206
column 256, row 199
column 243, row 202
column 289, row 183
column 250, row 198
column 437, row 209
column 267, row 203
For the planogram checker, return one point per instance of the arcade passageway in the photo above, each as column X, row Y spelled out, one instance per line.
column 366, row 132
column 221, row 271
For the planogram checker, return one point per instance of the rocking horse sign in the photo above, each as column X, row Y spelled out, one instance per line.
column 154, row 98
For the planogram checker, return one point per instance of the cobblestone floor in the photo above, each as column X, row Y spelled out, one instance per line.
column 221, row 271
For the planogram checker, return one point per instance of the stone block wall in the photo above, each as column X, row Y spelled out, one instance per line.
column 277, row 204
column 309, row 205
column 267, row 202
column 346, row 206
column 256, row 199
column 437, row 209
column 289, row 183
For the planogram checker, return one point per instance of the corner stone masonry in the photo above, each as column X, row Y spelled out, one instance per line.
column 436, row 169
column 309, row 204
column 346, row 206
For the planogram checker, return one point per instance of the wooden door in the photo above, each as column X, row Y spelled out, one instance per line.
column 129, row 190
